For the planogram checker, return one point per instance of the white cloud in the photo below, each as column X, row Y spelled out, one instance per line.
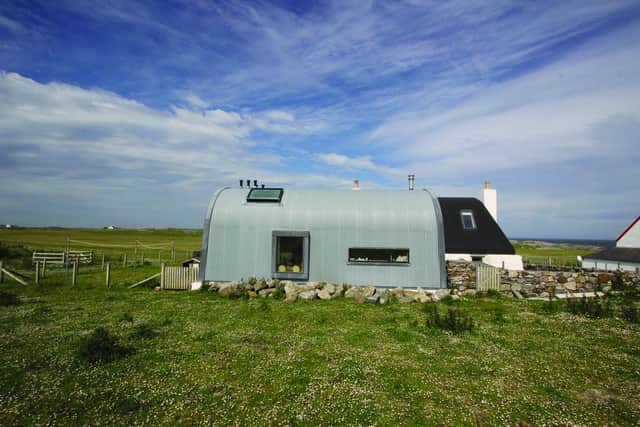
column 196, row 101
column 65, row 145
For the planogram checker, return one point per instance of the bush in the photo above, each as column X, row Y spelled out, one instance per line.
column 8, row 299
column 630, row 314
column 126, row 317
column 102, row 347
column 594, row 307
column 454, row 320
column 143, row 331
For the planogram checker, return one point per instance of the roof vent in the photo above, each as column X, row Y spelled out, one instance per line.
column 412, row 179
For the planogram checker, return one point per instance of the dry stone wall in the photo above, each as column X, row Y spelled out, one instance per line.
column 461, row 277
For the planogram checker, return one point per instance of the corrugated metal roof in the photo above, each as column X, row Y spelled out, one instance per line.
column 238, row 235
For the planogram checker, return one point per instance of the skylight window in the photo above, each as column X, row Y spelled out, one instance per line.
column 468, row 220
column 268, row 195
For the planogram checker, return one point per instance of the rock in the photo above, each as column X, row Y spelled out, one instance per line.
column 157, row 289
column 266, row 292
column 231, row 289
column 517, row 294
column 324, row 294
column 570, row 286
column 455, row 297
column 307, row 295
column 383, row 297
column 606, row 289
column 603, row 278
column 544, row 295
column 339, row 291
column 330, row 288
column 369, row 291
column 438, row 294
column 351, row 292
column 421, row 297
column 396, row 292
column 259, row 285
column 372, row 299
column 252, row 294
column 469, row 292
column 403, row 300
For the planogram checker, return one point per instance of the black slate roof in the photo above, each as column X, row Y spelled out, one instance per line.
column 487, row 238
column 617, row 254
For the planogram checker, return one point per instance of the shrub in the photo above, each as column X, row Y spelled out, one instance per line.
column 8, row 299
column 630, row 314
column 126, row 317
column 143, row 331
column 617, row 283
column 455, row 320
column 498, row 316
column 595, row 307
column 102, row 347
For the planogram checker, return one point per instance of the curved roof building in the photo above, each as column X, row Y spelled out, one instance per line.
column 377, row 237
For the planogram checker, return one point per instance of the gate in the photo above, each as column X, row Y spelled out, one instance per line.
column 179, row 277
column 487, row 277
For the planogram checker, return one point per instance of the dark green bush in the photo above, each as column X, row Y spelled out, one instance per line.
column 8, row 299
column 454, row 320
column 591, row 307
column 102, row 347
column 143, row 331
column 126, row 317
column 630, row 314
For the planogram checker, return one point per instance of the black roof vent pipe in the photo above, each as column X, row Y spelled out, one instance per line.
column 241, row 182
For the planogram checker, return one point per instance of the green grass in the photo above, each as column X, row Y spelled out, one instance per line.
column 202, row 359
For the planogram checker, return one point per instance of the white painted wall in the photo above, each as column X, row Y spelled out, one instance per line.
column 608, row 265
column 508, row 262
column 489, row 197
column 631, row 239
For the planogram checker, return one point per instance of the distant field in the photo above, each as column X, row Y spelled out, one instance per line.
column 540, row 252
column 111, row 242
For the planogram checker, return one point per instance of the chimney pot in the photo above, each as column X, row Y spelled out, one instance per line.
column 412, row 179
column 241, row 182
column 487, row 184
column 356, row 184
column 255, row 183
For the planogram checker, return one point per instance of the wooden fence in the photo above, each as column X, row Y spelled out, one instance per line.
column 487, row 277
column 51, row 258
column 179, row 277
column 60, row 258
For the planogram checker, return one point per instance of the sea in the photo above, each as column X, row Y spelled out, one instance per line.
column 586, row 242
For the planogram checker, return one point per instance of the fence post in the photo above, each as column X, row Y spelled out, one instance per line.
column 159, row 258
column 102, row 264
column 37, row 273
column 142, row 259
column 124, row 260
column 173, row 253
column 44, row 268
column 108, row 275
column 74, row 274
column 1, row 272
column 162, row 276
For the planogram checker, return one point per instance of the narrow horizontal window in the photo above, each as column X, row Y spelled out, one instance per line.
column 273, row 195
column 468, row 221
column 378, row 256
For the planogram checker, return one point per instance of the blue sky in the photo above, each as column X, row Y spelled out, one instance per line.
column 133, row 113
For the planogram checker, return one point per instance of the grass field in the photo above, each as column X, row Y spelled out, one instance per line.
column 197, row 358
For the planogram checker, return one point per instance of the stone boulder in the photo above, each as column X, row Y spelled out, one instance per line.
column 231, row 289
column 324, row 294
column 308, row 295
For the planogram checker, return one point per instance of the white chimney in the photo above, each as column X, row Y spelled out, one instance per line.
column 356, row 184
column 490, row 200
